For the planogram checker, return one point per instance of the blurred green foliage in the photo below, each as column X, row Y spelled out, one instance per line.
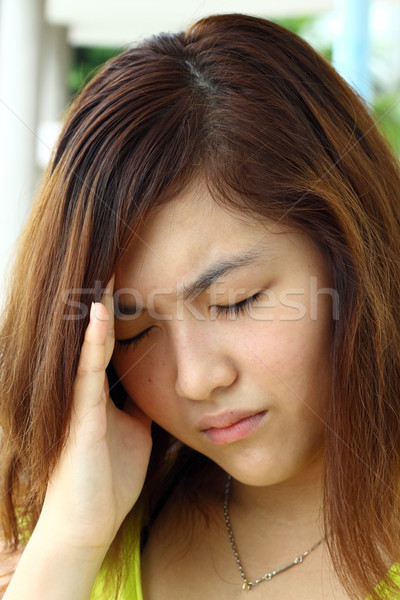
column 386, row 106
column 86, row 61
column 387, row 111
column 296, row 24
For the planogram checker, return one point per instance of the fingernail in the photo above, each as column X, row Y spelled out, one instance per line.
column 92, row 312
column 95, row 314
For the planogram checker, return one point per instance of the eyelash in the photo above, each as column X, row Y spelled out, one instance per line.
column 239, row 308
column 236, row 310
column 134, row 341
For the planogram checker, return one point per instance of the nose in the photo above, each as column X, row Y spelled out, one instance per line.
column 203, row 366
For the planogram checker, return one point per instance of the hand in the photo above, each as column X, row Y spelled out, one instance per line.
column 103, row 465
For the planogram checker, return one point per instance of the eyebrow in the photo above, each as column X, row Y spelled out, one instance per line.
column 213, row 273
column 205, row 280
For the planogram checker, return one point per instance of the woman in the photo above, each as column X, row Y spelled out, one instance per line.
column 236, row 196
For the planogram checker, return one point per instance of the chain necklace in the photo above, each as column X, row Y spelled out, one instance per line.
column 248, row 585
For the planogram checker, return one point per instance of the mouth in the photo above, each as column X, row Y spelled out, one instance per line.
column 230, row 427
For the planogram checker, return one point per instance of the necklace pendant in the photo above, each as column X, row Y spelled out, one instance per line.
column 247, row 586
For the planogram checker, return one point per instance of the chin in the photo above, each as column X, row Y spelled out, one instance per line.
column 259, row 479
column 254, row 473
column 262, row 472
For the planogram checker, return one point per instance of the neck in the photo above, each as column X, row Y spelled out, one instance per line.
column 291, row 512
column 290, row 501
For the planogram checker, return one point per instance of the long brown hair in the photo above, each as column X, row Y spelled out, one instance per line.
column 274, row 131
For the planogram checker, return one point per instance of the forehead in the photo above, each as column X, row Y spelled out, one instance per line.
column 186, row 234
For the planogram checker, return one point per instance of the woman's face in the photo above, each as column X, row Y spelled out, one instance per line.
column 247, row 385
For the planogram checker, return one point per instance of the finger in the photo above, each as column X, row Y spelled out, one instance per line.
column 89, row 382
column 108, row 301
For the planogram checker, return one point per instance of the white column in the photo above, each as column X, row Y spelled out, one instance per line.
column 54, row 67
column 20, row 36
column 352, row 44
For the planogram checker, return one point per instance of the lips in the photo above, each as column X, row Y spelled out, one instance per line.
column 232, row 426
column 225, row 419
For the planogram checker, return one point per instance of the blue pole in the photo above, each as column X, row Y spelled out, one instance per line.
column 351, row 47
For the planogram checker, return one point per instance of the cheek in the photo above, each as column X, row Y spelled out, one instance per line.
column 286, row 346
column 145, row 381
column 292, row 359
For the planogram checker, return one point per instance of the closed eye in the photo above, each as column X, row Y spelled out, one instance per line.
column 230, row 310
column 133, row 341
column 237, row 309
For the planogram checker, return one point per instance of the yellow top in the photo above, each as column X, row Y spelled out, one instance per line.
column 132, row 588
